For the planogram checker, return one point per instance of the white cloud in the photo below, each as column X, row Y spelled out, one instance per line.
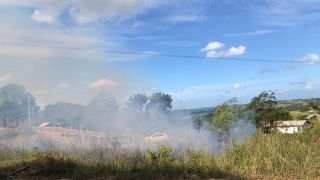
column 214, row 50
column 50, row 90
column 41, row 17
column 84, row 11
column 213, row 46
column 309, row 86
column 237, row 86
column 252, row 33
column 45, row 92
column 268, row 70
column 311, row 58
column 185, row 18
column 288, row 13
column 288, row 66
column 303, row 84
column 236, row 51
column 5, row 78
column 21, row 39
column 63, row 85
column 102, row 83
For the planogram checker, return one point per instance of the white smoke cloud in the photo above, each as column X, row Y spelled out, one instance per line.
column 5, row 78
column 83, row 11
column 40, row 17
column 102, row 83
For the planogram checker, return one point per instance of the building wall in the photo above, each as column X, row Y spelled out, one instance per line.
column 290, row 130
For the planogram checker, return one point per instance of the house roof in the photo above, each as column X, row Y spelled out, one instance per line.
column 313, row 116
column 45, row 124
column 292, row 123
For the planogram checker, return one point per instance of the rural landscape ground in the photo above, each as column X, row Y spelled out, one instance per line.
column 262, row 156
column 160, row 89
column 81, row 154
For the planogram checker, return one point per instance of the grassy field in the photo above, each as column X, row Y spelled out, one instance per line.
column 262, row 156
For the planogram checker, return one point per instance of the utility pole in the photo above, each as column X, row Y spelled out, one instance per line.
column 29, row 116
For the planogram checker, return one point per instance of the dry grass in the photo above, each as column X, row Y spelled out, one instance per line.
column 274, row 156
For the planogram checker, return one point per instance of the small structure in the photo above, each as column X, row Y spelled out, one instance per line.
column 290, row 127
column 313, row 116
column 156, row 137
column 47, row 124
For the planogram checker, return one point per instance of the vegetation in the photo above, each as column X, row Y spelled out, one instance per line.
column 261, row 156
column 273, row 156
column 137, row 102
column 224, row 115
column 14, row 102
column 64, row 114
column 266, row 112
column 160, row 101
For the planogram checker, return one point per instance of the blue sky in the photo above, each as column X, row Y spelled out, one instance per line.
column 59, row 49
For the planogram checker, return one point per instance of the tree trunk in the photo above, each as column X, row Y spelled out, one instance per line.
column 17, row 123
column 4, row 122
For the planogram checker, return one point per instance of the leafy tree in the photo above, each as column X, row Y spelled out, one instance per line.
column 65, row 114
column 103, row 103
column 197, row 121
column 160, row 101
column 224, row 114
column 266, row 111
column 223, row 119
column 137, row 102
column 101, row 110
column 14, row 100
column 312, row 105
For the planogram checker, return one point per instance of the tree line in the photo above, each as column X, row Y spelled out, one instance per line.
column 16, row 104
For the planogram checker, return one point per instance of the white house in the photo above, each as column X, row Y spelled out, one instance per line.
column 290, row 127
column 313, row 116
column 47, row 124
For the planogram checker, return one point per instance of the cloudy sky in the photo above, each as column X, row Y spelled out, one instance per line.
column 64, row 49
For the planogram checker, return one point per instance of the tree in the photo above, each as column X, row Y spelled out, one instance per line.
column 160, row 101
column 14, row 102
column 103, row 103
column 197, row 122
column 65, row 114
column 266, row 111
column 223, row 119
column 101, row 110
column 312, row 105
column 224, row 114
column 137, row 102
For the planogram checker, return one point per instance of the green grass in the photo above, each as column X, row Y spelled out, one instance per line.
column 274, row 156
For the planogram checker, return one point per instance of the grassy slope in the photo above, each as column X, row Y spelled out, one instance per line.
column 262, row 156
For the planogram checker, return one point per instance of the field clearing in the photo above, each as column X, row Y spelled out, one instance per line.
column 60, row 138
column 274, row 156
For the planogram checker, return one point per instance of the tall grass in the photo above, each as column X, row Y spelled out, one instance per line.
column 262, row 156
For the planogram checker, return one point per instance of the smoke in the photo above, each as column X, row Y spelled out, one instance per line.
column 105, row 123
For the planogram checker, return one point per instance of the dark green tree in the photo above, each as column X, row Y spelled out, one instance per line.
column 65, row 114
column 101, row 110
column 160, row 101
column 266, row 111
column 137, row 102
column 224, row 115
column 223, row 119
column 15, row 105
column 312, row 105
column 197, row 122
column 103, row 103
